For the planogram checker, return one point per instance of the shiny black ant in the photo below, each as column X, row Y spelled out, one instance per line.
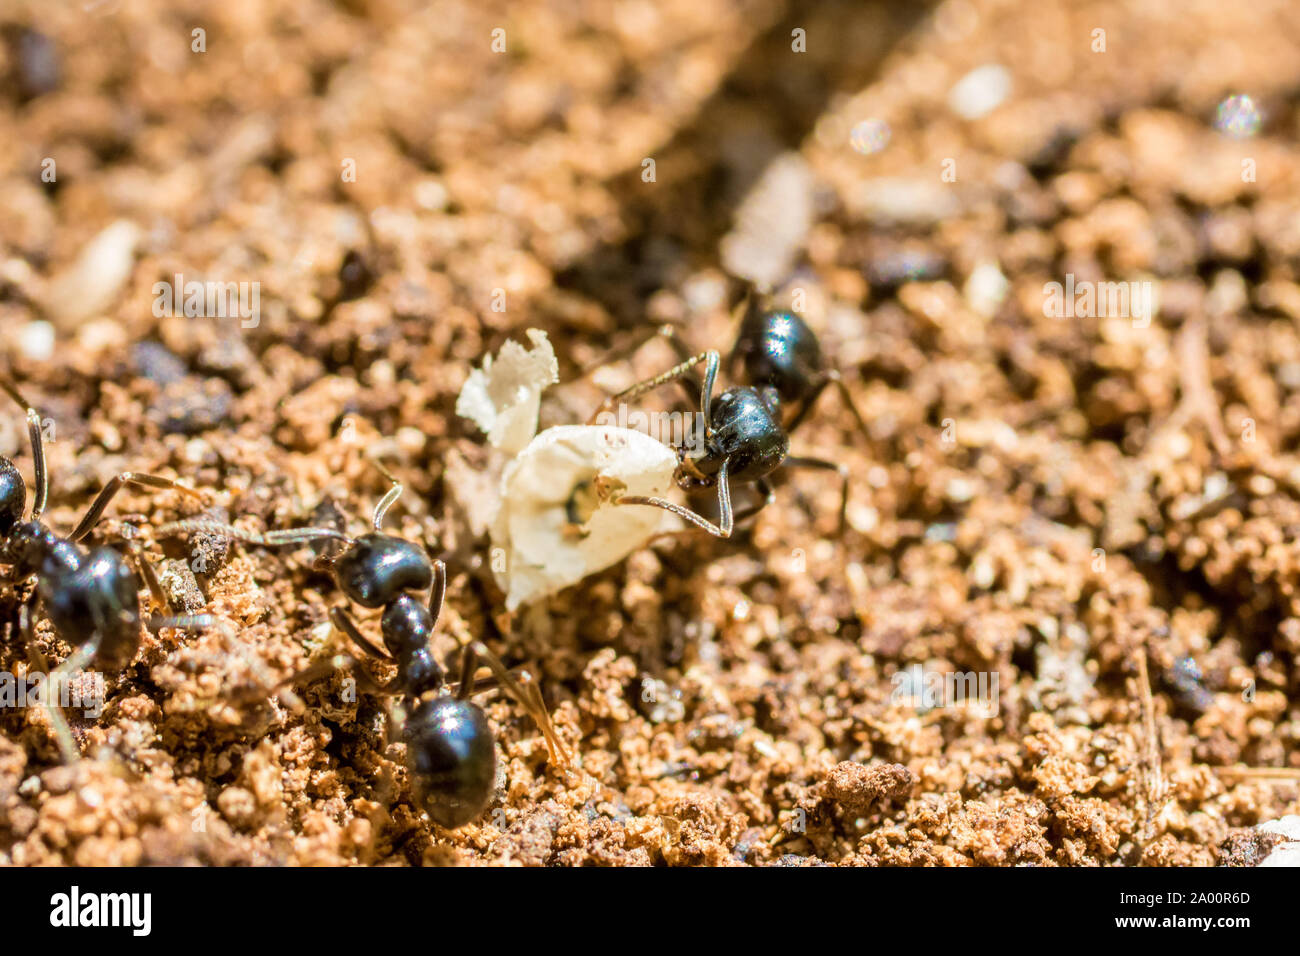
column 91, row 597
column 450, row 748
column 746, row 428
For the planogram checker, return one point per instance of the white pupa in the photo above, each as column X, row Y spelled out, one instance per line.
column 556, row 520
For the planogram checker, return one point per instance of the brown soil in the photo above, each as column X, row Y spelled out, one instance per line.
column 1101, row 512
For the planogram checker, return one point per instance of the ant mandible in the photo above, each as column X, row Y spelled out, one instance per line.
column 91, row 597
column 450, row 747
column 747, row 427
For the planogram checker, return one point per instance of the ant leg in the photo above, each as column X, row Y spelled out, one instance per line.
column 150, row 576
column 27, row 624
column 793, row 461
column 110, row 490
column 711, row 361
column 481, row 685
column 343, row 621
column 268, row 539
column 283, row 688
column 439, row 591
column 185, row 622
column 181, row 622
column 523, row 689
column 726, row 521
column 747, row 512
column 40, row 478
column 832, row 377
column 58, row 723
column 668, row 333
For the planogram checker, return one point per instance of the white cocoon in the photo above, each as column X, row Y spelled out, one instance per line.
column 568, row 471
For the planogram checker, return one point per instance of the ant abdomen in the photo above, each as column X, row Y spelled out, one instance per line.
column 378, row 568
column 780, row 350
column 451, row 756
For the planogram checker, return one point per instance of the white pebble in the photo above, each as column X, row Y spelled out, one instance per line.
column 980, row 91
column 36, row 339
column 90, row 286
column 985, row 289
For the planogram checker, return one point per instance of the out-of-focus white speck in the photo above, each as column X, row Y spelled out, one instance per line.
column 772, row 222
column 870, row 136
column 985, row 289
column 430, row 194
column 908, row 201
column 36, row 339
column 91, row 284
column 1238, row 117
column 980, row 91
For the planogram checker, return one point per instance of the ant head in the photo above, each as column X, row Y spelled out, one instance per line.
column 378, row 568
column 13, row 496
column 780, row 350
column 747, row 434
column 452, row 758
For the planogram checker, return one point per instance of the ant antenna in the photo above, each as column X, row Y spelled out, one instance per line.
column 389, row 499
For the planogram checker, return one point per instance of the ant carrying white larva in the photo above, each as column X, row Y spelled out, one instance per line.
column 747, row 427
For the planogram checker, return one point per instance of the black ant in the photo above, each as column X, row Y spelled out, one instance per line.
column 450, row 748
column 91, row 597
column 747, row 427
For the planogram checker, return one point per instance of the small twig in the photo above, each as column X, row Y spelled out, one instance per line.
column 1280, row 774
column 1156, row 794
column 1198, row 401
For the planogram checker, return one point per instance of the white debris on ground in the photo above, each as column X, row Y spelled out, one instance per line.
column 503, row 397
column 1288, row 853
column 36, row 340
column 93, row 282
column 556, row 521
column 980, row 91
column 986, row 289
column 772, row 223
